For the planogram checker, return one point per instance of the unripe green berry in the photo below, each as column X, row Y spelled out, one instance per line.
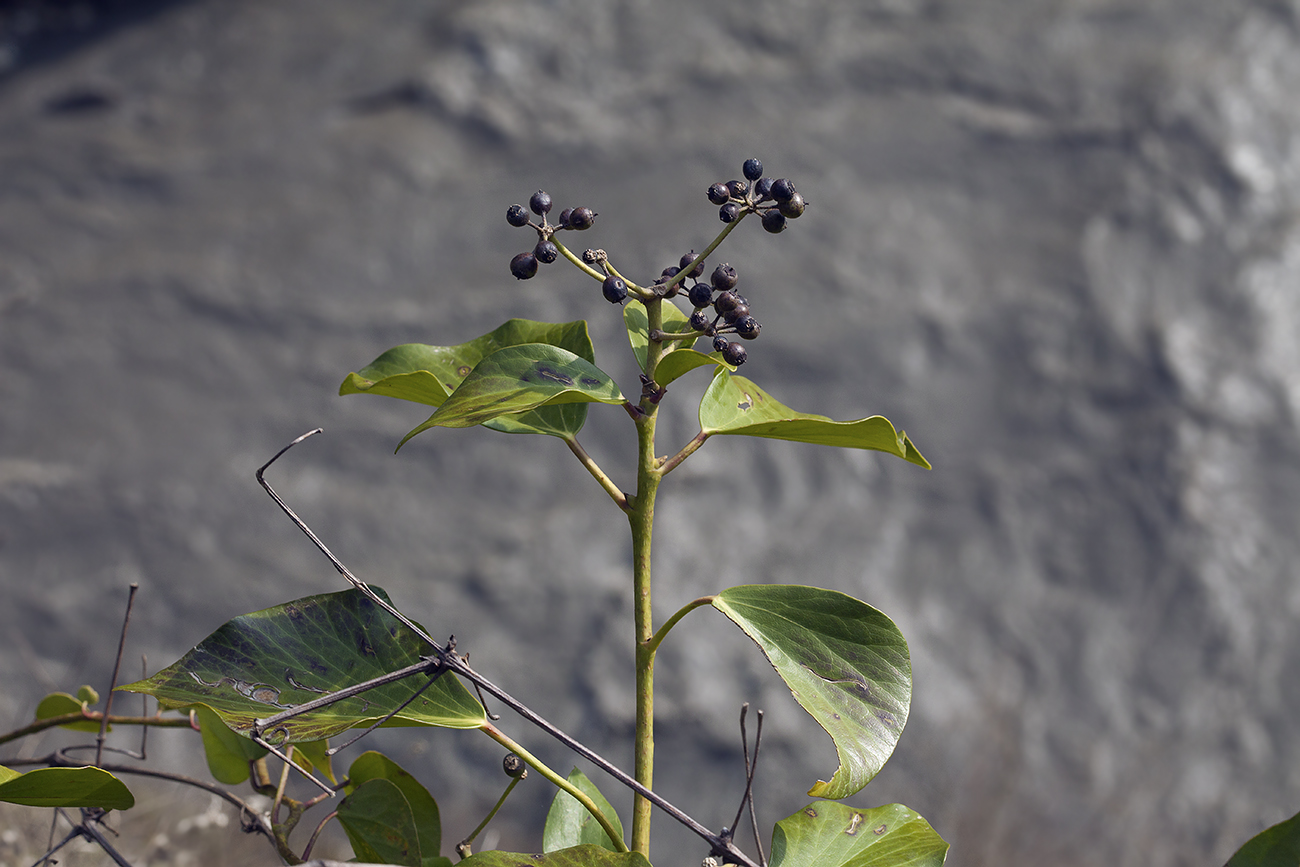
column 753, row 169
column 581, row 218
column 614, row 289
column 773, row 220
column 517, row 216
column 718, row 194
column 546, row 252
column 523, row 266
column 792, row 207
column 700, row 295
column 540, row 203
column 729, row 213
column 783, row 189
column 734, row 354
column 724, row 277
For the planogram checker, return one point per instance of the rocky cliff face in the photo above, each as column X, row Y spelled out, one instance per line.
column 1055, row 242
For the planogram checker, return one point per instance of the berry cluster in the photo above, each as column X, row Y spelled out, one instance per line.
column 524, row 265
column 737, row 198
column 730, row 311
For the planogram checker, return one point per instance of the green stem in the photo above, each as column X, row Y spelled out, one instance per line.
column 579, row 795
column 681, row 275
column 93, row 716
column 615, row 493
column 658, row 637
column 641, row 519
column 464, row 847
column 687, row 450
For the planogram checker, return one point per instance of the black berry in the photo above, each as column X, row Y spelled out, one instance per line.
column 614, row 289
column 590, row 257
column 546, row 252
column 699, row 320
column 720, row 343
column 773, row 220
column 737, row 189
column 724, row 277
column 718, row 194
column 581, row 218
column 783, row 189
column 736, row 313
column 514, row 766
column 563, row 221
column 748, row 327
column 517, row 216
column 753, row 169
column 725, row 303
column 792, row 207
column 734, row 354
column 729, row 213
column 688, row 259
column 523, row 266
column 670, row 272
column 540, row 203
column 763, row 189
column 701, row 295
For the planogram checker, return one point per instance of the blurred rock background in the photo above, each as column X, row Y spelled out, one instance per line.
column 1055, row 241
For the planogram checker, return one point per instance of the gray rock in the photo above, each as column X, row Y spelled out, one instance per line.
column 1055, row 242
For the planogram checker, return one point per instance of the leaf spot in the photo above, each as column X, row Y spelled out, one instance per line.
column 553, row 375
column 463, row 370
column 293, row 682
column 887, row 718
column 852, row 830
column 745, row 404
column 810, row 813
column 591, row 382
column 878, row 831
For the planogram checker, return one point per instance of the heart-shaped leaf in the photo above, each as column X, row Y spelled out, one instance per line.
column 837, row 835
column 569, row 824
column 1272, row 847
column 578, row 856
column 424, row 809
column 845, row 662
column 379, row 824
column 260, row 664
column 734, row 405
column 65, row 787
column 518, row 379
column 428, row 374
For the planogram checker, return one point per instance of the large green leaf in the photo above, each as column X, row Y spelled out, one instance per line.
column 845, row 662
column 428, row 374
column 424, row 809
column 734, row 405
column 228, row 753
column 379, row 824
column 578, row 856
column 1278, row 846
column 65, row 787
column 837, row 835
column 569, row 824
column 519, row 379
column 260, row 664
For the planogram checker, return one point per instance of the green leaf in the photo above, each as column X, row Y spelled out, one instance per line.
column 1278, row 846
column 519, row 379
column 734, row 405
column 845, row 662
column 60, row 703
column 428, row 374
column 637, row 321
column 65, row 787
column 569, row 824
column 424, row 810
column 379, row 824
column 837, row 835
column 88, row 694
column 260, row 664
column 228, row 753
column 578, row 856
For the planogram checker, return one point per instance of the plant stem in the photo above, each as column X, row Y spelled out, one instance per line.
column 687, row 450
column 658, row 637
column 641, row 519
column 92, row 716
column 538, row 765
column 617, row 495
